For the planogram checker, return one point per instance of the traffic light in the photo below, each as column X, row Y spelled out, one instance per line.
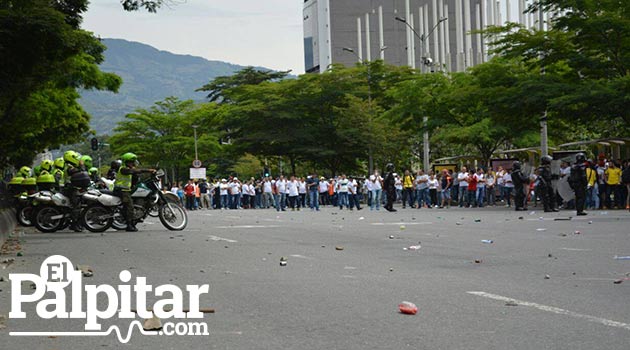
column 266, row 172
column 94, row 143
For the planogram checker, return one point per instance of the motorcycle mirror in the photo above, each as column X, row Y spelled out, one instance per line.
column 159, row 173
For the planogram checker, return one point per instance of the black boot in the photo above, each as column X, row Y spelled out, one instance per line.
column 131, row 228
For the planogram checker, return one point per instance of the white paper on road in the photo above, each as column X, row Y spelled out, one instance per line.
column 215, row 238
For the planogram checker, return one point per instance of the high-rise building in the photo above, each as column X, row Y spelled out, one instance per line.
column 347, row 31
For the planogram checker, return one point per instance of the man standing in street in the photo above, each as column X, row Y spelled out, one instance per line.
column 407, row 195
column 579, row 182
column 312, row 184
column 390, row 187
column 519, row 180
column 543, row 187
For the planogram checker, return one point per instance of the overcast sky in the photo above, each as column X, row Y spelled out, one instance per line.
column 264, row 33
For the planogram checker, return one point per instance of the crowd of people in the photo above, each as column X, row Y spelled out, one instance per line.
column 467, row 187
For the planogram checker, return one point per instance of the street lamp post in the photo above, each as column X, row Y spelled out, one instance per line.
column 195, row 129
column 425, row 62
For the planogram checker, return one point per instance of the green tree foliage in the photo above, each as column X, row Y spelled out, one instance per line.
column 44, row 58
column 587, row 51
column 220, row 88
column 164, row 135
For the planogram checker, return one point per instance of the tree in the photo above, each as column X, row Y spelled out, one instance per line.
column 587, row 49
column 220, row 88
column 44, row 58
column 164, row 134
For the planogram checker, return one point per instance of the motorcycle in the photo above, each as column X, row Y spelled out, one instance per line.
column 24, row 210
column 147, row 197
column 54, row 212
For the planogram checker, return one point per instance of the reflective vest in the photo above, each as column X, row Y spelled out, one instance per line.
column 123, row 182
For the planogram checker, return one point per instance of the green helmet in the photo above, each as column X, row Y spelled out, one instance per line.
column 87, row 160
column 17, row 180
column 46, row 178
column 93, row 171
column 47, row 165
column 59, row 163
column 129, row 157
column 24, row 171
column 71, row 157
column 37, row 170
column 29, row 181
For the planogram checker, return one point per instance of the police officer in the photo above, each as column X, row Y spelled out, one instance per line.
column 543, row 187
column 519, row 180
column 75, row 178
column 578, row 182
column 123, row 185
column 113, row 170
column 390, row 188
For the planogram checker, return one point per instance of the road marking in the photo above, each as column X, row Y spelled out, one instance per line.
column 215, row 238
column 576, row 249
column 555, row 310
column 301, row 256
column 249, row 226
column 399, row 223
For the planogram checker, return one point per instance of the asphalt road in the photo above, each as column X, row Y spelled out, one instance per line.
column 348, row 299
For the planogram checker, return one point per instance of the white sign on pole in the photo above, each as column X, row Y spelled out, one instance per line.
column 197, row 173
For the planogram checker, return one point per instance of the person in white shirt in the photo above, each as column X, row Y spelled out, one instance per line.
column 281, row 185
column 245, row 196
column 500, row 183
column 342, row 192
column 353, row 194
column 508, row 186
column 293, row 192
column 323, row 191
column 377, row 191
column 368, row 185
column 267, row 198
column 398, row 185
column 462, row 177
column 480, row 176
column 302, row 193
column 490, row 183
column 433, row 186
column 422, row 189
column 223, row 191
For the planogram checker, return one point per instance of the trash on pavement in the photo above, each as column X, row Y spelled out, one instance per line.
column 562, row 234
column 338, row 247
column 362, row 218
column 86, row 270
column 621, row 257
column 511, row 303
column 391, row 236
column 487, row 241
column 415, row 247
column 563, row 218
column 541, row 229
column 547, row 277
column 402, row 227
column 408, row 308
column 577, row 232
column 617, row 281
column 477, row 220
column 478, row 261
column 152, row 324
column 521, row 218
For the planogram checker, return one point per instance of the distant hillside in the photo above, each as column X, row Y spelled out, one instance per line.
column 149, row 75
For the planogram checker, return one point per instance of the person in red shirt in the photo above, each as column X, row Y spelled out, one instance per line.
column 472, row 189
column 189, row 192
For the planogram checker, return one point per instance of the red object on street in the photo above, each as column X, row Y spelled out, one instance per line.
column 408, row 308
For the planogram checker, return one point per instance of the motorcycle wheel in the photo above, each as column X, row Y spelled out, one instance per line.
column 42, row 219
column 24, row 216
column 97, row 218
column 119, row 223
column 173, row 217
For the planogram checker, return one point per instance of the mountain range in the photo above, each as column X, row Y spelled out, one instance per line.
column 149, row 75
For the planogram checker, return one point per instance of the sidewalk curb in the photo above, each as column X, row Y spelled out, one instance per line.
column 7, row 223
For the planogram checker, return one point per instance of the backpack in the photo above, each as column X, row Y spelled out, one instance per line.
column 625, row 176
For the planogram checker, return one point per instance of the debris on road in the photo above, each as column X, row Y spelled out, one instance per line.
column 478, row 261
column 521, row 218
column 458, row 223
column 477, row 220
column 362, row 218
column 590, row 222
column 413, row 247
column 403, row 227
column 487, row 241
column 577, row 232
column 408, row 308
column 391, row 269
column 511, row 303
column 541, row 229
column 621, row 257
column 391, row 236
column 562, row 234
column 617, row 281
column 152, row 324
column 338, row 247
column 126, row 250
column 20, row 254
column 547, row 277
column 86, row 270
column 283, row 261
column 563, row 218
